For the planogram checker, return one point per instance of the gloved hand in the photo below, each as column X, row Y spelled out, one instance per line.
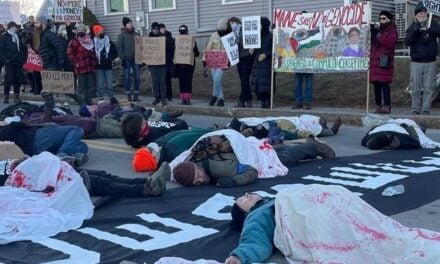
column 226, row 182
column 262, row 57
column 251, row 51
column 373, row 30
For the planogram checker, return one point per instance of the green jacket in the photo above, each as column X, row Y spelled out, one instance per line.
column 226, row 171
column 256, row 240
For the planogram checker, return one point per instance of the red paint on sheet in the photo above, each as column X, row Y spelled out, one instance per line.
column 421, row 253
column 330, row 247
column 366, row 230
column 265, row 146
column 322, row 197
column 18, row 179
column 434, row 236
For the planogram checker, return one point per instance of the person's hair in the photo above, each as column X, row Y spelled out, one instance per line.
column 130, row 127
column 235, row 19
column 353, row 29
column 36, row 38
column 12, row 24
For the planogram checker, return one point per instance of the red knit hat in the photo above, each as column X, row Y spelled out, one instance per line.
column 144, row 161
column 184, row 173
column 98, row 29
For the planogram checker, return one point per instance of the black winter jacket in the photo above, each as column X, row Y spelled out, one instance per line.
column 261, row 70
column 51, row 50
column 9, row 52
column 423, row 44
column 22, row 135
column 107, row 61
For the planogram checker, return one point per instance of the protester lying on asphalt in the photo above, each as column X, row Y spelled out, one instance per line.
column 226, row 158
column 293, row 127
column 398, row 134
column 324, row 224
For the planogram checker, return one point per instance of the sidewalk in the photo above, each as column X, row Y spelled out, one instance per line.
column 350, row 116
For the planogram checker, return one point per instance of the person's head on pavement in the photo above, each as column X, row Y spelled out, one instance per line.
column 189, row 174
column 134, row 129
column 241, row 208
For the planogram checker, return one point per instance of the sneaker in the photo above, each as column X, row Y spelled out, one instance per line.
column 155, row 184
column 66, row 158
column 307, row 106
column 426, row 112
column 415, row 112
column 80, row 158
column 212, row 101
column 221, row 102
column 156, row 101
column 323, row 122
column 155, row 150
column 336, row 125
column 136, row 98
column 164, row 102
column 423, row 126
column 298, row 106
column 323, row 150
column 86, row 179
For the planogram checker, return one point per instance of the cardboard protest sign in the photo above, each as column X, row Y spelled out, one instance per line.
column 251, row 30
column 150, row 50
column 9, row 11
column 183, row 54
column 139, row 48
column 68, row 10
column 8, row 150
column 433, row 6
column 335, row 40
column 216, row 59
column 33, row 62
column 58, row 82
column 231, row 47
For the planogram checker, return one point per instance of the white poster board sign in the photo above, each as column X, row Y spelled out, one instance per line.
column 251, row 32
column 9, row 11
column 68, row 11
column 231, row 48
column 433, row 6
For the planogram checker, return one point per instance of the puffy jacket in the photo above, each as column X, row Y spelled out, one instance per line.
column 51, row 50
column 126, row 44
column 383, row 43
column 423, row 45
column 83, row 60
column 9, row 52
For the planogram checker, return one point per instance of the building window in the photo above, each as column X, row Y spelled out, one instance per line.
column 231, row 2
column 115, row 7
column 158, row 5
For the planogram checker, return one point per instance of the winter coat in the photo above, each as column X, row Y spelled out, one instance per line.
column 83, row 60
column 51, row 51
column 423, row 46
column 383, row 43
column 261, row 70
column 126, row 44
column 214, row 43
column 169, row 47
column 22, row 135
column 9, row 53
column 256, row 240
column 67, row 66
column 106, row 62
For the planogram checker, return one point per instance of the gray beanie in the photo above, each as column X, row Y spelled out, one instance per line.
column 223, row 24
column 81, row 27
column 42, row 20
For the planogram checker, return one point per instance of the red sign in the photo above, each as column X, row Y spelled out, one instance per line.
column 216, row 59
column 34, row 62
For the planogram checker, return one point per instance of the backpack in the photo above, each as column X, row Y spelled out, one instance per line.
column 211, row 146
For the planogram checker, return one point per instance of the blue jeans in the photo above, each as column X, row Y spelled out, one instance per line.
column 136, row 75
column 217, row 90
column 60, row 139
column 104, row 81
column 305, row 95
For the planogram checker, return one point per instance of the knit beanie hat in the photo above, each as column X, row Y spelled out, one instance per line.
column 155, row 25
column 419, row 8
column 98, row 29
column 81, row 27
column 260, row 132
column 162, row 25
column 144, row 161
column 125, row 21
column 184, row 173
column 84, row 111
column 387, row 14
column 238, row 217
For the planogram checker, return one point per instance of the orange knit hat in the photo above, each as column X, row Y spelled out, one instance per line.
column 98, row 29
column 144, row 161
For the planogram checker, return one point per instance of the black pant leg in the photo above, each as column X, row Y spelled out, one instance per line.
column 291, row 155
column 386, row 93
column 377, row 93
column 244, row 68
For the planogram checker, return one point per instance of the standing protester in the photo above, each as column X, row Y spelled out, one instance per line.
column 126, row 47
column 261, row 68
column 170, row 66
column 13, row 55
column 423, row 51
column 215, row 43
column 158, row 72
column 185, row 72
column 81, row 54
column 50, row 50
column 65, row 35
column 106, row 53
column 244, row 67
column 383, row 44
column 34, row 77
column 30, row 25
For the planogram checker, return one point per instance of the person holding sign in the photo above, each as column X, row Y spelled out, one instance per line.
column 126, row 50
column 81, row 54
column 262, row 68
column 13, row 54
column 215, row 43
column 422, row 39
column 383, row 44
column 185, row 71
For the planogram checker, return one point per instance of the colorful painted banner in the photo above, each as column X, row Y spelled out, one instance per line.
column 433, row 6
column 9, row 11
column 251, row 32
column 231, row 47
column 335, row 40
column 216, row 59
column 68, row 11
column 34, row 62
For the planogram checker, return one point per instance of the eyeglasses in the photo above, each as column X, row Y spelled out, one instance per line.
column 383, row 18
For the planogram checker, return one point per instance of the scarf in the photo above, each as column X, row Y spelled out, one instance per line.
column 14, row 38
column 86, row 42
column 100, row 44
column 236, row 31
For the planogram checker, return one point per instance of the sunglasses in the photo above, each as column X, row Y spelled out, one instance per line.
column 383, row 18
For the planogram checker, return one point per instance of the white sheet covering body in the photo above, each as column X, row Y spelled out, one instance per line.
column 249, row 151
column 42, row 197
column 330, row 224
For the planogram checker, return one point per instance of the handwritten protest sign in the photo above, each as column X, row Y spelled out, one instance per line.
column 433, row 6
column 68, row 11
column 150, row 50
column 58, row 82
column 216, row 59
column 9, row 11
column 33, row 62
column 183, row 54
column 251, row 32
column 335, row 40
column 231, row 47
